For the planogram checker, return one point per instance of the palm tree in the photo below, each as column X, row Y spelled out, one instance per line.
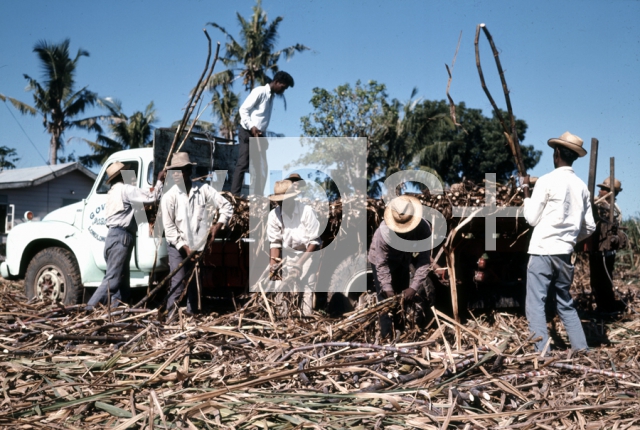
column 127, row 132
column 57, row 100
column 8, row 156
column 255, row 54
column 225, row 109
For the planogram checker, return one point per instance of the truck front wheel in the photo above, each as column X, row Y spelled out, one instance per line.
column 53, row 275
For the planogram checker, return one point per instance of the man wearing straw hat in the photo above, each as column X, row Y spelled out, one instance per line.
column 606, row 242
column 122, row 234
column 188, row 215
column 560, row 212
column 391, row 265
column 255, row 114
column 293, row 232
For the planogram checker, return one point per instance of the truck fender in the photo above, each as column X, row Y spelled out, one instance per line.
column 28, row 239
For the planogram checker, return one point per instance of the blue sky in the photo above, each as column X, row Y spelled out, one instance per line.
column 571, row 65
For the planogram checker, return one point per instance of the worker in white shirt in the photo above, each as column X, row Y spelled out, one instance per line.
column 115, row 287
column 188, row 215
column 293, row 231
column 255, row 114
column 560, row 212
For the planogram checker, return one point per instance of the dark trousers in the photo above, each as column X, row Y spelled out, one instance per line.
column 116, row 282
column 179, row 280
column 242, row 165
column 601, row 266
column 400, row 278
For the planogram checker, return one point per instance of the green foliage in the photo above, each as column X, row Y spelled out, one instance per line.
column 417, row 134
column 8, row 156
column 253, row 57
column 396, row 132
column 225, row 109
column 477, row 147
column 126, row 132
column 57, row 100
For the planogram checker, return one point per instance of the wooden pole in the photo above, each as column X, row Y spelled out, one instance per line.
column 612, row 188
column 593, row 165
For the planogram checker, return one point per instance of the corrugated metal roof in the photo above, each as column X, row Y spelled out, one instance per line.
column 32, row 176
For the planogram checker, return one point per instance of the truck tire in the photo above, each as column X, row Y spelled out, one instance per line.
column 341, row 298
column 53, row 275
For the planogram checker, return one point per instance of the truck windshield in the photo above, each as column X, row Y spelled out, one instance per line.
column 104, row 187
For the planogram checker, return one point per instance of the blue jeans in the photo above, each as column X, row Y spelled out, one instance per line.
column 116, row 283
column 554, row 272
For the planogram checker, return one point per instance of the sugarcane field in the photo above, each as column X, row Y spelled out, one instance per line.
column 382, row 263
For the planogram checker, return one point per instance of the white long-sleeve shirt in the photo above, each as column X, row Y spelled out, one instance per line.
column 559, row 209
column 188, row 218
column 119, row 209
column 256, row 109
column 297, row 231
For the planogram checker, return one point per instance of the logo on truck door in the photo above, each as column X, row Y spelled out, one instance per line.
column 98, row 227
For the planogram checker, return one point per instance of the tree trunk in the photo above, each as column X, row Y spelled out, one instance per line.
column 53, row 149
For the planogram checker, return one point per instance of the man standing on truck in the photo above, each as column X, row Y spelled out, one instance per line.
column 560, row 212
column 294, row 235
column 187, row 214
column 121, row 237
column 606, row 242
column 391, row 266
column 255, row 114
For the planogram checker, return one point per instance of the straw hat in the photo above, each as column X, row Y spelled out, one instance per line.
column 283, row 190
column 570, row 141
column 294, row 177
column 403, row 214
column 606, row 184
column 179, row 160
column 113, row 170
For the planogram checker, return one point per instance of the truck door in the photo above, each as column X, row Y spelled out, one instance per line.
column 94, row 216
column 146, row 244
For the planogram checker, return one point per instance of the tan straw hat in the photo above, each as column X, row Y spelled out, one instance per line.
column 606, row 184
column 403, row 214
column 283, row 190
column 113, row 170
column 570, row 141
column 179, row 160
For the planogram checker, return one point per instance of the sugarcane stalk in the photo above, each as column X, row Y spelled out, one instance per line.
column 189, row 110
column 510, row 133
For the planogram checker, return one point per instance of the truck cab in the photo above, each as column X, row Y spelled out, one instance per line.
column 65, row 251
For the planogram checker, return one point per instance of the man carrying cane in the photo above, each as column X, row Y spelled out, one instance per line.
column 293, row 232
column 391, row 266
column 188, row 215
column 121, row 237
